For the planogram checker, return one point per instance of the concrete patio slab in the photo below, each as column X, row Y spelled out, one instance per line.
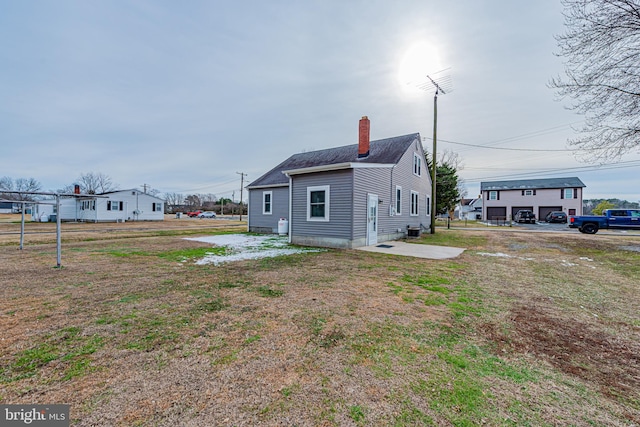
column 414, row 250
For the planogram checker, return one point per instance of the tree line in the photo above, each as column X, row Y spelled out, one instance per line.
column 89, row 183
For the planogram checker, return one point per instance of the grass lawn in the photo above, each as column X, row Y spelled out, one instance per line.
column 523, row 329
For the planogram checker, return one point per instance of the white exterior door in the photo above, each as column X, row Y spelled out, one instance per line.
column 372, row 219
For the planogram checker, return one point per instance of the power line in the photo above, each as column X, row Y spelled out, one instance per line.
column 507, row 148
column 192, row 190
column 608, row 166
column 490, row 144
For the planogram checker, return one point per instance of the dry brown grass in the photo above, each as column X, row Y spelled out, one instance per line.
column 129, row 336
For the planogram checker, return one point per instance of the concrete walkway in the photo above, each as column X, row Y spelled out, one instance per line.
column 414, row 250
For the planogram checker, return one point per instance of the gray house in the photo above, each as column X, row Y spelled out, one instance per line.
column 345, row 197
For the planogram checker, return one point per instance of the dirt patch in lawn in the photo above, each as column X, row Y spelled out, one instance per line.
column 611, row 363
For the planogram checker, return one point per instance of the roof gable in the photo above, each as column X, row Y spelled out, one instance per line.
column 530, row 184
column 382, row 151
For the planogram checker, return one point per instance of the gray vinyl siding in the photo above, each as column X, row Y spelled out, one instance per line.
column 260, row 222
column 404, row 177
column 383, row 182
column 340, row 205
column 370, row 181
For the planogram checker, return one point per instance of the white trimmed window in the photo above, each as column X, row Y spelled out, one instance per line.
column 528, row 193
column 156, row 207
column 267, row 202
column 428, row 203
column 493, row 195
column 113, row 205
column 568, row 193
column 398, row 200
column 414, row 203
column 318, row 203
column 417, row 164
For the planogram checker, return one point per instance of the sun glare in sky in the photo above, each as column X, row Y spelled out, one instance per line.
column 419, row 60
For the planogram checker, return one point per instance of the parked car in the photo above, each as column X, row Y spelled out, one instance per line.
column 525, row 216
column 622, row 219
column 194, row 213
column 207, row 215
column 556, row 216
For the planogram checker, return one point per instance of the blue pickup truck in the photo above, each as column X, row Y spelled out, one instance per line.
column 621, row 219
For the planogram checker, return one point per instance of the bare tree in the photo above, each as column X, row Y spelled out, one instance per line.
column 174, row 198
column 20, row 184
column 6, row 183
column 601, row 47
column 193, row 201
column 96, row 183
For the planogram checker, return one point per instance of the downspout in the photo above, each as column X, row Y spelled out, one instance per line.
column 290, row 205
column 248, row 210
column 391, row 191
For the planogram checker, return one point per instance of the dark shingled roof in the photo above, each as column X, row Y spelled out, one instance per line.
column 382, row 151
column 530, row 184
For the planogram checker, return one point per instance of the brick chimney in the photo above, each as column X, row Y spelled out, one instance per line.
column 76, row 189
column 363, row 140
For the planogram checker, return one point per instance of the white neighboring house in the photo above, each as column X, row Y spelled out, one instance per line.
column 113, row 206
column 470, row 209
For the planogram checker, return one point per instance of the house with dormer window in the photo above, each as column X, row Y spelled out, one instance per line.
column 502, row 199
column 348, row 196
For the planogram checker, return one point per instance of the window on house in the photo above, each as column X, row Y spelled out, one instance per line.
column 417, row 165
column 398, row 200
column 113, row 205
column 568, row 193
column 267, row 197
column 493, row 195
column 156, row 207
column 528, row 193
column 88, row 205
column 414, row 203
column 318, row 203
column 428, row 202
column 572, row 212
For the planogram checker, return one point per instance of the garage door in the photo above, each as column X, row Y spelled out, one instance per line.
column 521, row 208
column 544, row 210
column 495, row 213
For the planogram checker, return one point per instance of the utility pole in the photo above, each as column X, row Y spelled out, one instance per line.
column 433, row 160
column 242, row 175
column 145, row 187
column 436, row 83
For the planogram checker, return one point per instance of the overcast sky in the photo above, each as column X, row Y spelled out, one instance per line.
column 183, row 95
